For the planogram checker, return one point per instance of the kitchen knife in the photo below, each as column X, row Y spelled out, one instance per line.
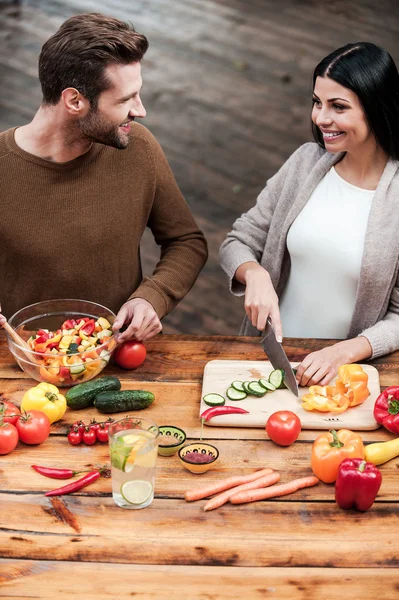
column 278, row 357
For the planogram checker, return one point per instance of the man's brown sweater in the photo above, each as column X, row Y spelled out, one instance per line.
column 73, row 230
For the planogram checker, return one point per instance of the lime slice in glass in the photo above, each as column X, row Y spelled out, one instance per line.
column 136, row 492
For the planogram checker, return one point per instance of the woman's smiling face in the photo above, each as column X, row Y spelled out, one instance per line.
column 338, row 114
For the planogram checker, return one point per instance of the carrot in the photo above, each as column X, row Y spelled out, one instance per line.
column 278, row 490
column 224, row 484
column 224, row 497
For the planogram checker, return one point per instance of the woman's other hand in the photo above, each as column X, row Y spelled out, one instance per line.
column 261, row 300
column 322, row 366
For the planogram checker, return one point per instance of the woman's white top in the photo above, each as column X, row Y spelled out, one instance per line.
column 325, row 243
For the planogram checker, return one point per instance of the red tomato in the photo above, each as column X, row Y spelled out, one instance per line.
column 7, row 409
column 33, row 427
column 102, row 433
column 283, row 427
column 89, row 436
column 75, row 436
column 8, row 438
column 130, row 354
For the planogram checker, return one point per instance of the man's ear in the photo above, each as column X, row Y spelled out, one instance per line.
column 74, row 103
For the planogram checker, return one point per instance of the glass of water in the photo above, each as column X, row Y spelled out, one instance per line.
column 133, row 445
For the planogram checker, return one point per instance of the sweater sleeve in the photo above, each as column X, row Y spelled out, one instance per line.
column 384, row 335
column 247, row 240
column 183, row 245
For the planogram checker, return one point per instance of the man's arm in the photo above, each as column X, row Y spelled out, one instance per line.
column 183, row 254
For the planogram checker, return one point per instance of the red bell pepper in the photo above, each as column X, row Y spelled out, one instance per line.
column 88, row 328
column 386, row 409
column 357, row 484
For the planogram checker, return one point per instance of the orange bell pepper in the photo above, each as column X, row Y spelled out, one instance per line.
column 350, row 390
column 352, row 382
column 324, row 399
column 331, row 448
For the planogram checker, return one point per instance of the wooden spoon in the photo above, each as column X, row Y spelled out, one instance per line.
column 18, row 340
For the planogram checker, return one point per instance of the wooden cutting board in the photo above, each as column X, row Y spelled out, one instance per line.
column 219, row 374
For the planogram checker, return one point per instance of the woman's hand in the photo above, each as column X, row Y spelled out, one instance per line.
column 261, row 300
column 322, row 366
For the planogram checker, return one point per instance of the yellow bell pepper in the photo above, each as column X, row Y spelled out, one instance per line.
column 45, row 397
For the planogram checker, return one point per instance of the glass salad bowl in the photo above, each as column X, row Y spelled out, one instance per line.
column 70, row 341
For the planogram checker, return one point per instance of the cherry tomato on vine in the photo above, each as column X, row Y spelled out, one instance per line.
column 94, row 425
column 74, row 436
column 79, row 425
column 89, row 436
column 283, row 427
column 130, row 354
column 102, row 433
column 33, row 427
column 8, row 410
column 8, row 438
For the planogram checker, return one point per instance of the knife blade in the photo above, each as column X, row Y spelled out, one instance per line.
column 278, row 358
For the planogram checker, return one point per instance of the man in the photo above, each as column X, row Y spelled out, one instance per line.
column 74, row 206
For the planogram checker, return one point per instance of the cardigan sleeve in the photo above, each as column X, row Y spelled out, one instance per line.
column 384, row 335
column 246, row 241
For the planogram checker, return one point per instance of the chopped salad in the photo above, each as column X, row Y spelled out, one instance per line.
column 75, row 352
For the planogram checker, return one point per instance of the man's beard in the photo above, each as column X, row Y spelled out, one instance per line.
column 97, row 129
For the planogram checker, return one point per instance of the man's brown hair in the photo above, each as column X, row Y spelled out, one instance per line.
column 78, row 53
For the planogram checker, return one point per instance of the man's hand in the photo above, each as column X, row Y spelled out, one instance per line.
column 140, row 317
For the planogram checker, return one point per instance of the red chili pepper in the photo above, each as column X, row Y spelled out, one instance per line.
column 216, row 411
column 357, row 484
column 56, row 473
column 75, row 485
column 386, row 409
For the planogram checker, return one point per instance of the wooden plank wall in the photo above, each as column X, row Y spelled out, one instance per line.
column 227, row 88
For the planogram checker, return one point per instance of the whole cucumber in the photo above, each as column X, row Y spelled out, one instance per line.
column 112, row 402
column 83, row 394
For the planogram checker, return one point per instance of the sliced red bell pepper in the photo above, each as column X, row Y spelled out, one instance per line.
column 386, row 409
column 88, row 328
column 357, row 484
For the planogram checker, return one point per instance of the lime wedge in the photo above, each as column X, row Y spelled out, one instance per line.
column 129, row 439
column 136, row 492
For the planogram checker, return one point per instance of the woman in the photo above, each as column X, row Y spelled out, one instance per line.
column 319, row 253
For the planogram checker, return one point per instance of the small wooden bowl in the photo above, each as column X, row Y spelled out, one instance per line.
column 201, row 449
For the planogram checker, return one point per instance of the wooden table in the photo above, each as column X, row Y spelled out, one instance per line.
column 300, row 546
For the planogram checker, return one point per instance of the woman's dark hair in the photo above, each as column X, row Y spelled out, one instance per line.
column 79, row 52
column 370, row 72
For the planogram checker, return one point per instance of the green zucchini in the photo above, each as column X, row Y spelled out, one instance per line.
column 83, row 394
column 126, row 400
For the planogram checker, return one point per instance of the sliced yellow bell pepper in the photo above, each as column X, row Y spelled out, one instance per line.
column 324, row 399
column 45, row 397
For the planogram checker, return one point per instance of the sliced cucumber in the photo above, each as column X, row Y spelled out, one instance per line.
column 214, row 399
column 245, row 386
column 276, row 378
column 234, row 394
column 76, row 369
column 256, row 389
column 265, row 383
column 238, row 385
